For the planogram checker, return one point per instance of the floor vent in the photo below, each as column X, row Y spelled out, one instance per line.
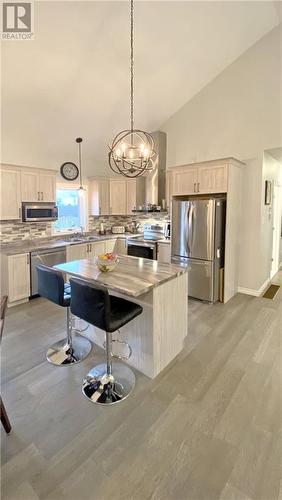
column 271, row 292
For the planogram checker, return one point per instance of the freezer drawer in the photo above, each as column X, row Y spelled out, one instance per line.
column 202, row 280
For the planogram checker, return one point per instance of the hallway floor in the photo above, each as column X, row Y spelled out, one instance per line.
column 210, row 427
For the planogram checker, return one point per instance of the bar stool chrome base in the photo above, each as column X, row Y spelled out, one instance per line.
column 61, row 354
column 105, row 389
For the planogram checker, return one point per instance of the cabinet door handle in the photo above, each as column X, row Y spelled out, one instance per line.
column 194, row 187
column 41, row 195
column 90, row 247
column 27, row 258
column 19, row 212
column 87, row 248
column 38, row 195
column 99, row 210
column 198, row 187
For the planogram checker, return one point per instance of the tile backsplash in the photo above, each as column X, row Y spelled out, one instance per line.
column 124, row 220
column 13, row 231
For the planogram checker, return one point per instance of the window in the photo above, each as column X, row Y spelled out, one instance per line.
column 69, row 210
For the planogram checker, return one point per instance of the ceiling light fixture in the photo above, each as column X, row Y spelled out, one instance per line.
column 132, row 151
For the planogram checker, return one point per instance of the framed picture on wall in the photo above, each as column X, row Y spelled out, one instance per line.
column 268, row 193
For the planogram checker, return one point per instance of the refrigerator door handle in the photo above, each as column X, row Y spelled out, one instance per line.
column 190, row 228
column 192, row 224
column 187, row 228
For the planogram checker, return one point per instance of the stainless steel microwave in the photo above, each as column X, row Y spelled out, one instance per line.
column 39, row 212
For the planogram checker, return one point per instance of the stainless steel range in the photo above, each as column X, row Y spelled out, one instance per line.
column 147, row 245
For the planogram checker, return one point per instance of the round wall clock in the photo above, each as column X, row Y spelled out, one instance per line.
column 69, row 171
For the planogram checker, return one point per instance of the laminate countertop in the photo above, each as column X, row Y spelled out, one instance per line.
column 133, row 276
column 25, row 246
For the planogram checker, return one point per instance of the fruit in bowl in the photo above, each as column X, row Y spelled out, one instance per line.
column 106, row 261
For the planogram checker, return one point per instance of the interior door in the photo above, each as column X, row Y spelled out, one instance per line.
column 276, row 228
column 201, row 229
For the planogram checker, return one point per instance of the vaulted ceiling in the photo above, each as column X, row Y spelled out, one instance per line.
column 73, row 78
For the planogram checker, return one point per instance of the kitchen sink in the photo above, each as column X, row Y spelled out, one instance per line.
column 76, row 240
column 82, row 239
column 91, row 238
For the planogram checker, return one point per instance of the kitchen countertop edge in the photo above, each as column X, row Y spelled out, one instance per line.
column 27, row 246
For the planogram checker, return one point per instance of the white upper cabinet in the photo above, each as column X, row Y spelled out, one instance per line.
column 10, row 204
column 30, row 186
column 200, row 179
column 212, row 179
column 184, row 181
column 115, row 196
column 99, row 196
column 47, row 187
column 20, row 184
column 130, row 195
column 118, row 205
column 38, row 186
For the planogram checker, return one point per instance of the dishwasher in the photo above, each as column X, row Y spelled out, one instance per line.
column 50, row 258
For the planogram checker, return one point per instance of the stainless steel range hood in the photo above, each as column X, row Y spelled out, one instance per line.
column 155, row 181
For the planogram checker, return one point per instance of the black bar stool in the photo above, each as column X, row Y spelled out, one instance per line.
column 72, row 349
column 105, row 383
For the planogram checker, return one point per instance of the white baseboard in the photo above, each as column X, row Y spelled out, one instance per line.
column 252, row 291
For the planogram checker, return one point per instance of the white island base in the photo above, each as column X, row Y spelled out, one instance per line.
column 157, row 335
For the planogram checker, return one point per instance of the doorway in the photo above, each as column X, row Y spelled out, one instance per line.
column 276, row 228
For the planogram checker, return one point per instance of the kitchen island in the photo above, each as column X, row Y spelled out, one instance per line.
column 157, row 335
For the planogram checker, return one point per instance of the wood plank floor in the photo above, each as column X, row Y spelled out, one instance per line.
column 210, row 427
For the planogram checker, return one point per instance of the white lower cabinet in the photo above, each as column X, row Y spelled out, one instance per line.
column 111, row 245
column 18, row 277
column 88, row 250
column 76, row 252
column 95, row 249
column 121, row 247
column 164, row 252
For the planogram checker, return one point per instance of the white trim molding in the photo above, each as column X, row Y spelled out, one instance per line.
column 252, row 291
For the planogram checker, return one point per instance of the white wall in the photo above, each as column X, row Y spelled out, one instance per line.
column 238, row 114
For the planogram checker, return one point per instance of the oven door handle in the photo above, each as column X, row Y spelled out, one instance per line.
column 141, row 245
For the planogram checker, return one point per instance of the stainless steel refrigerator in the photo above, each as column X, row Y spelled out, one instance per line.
column 198, row 235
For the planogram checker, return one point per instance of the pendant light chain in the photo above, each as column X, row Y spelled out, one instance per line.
column 78, row 140
column 131, row 65
column 132, row 152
